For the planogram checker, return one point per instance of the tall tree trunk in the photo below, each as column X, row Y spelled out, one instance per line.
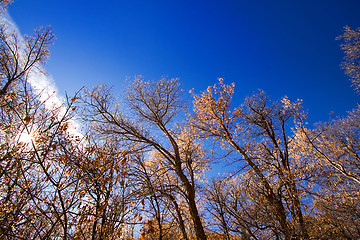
column 199, row 229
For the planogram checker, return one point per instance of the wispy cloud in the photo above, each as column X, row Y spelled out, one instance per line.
column 43, row 83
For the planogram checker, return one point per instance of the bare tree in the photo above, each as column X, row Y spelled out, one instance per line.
column 153, row 109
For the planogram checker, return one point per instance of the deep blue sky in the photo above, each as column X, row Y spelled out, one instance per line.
column 283, row 47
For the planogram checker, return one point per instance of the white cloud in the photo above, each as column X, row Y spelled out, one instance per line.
column 41, row 82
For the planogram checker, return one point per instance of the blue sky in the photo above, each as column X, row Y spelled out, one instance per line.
column 283, row 47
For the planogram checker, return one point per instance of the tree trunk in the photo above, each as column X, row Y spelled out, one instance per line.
column 199, row 230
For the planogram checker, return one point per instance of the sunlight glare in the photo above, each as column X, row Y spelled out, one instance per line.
column 26, row 137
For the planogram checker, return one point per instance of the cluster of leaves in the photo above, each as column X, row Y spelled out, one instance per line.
column 137, row 170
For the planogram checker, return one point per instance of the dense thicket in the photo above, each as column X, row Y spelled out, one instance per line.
column 137, row 168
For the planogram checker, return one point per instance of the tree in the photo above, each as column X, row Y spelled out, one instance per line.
column 333, row 148
column 46, row 190
column 36, row 181
column 160, row 189
column 29, row 134
column 257, row 132
column 19, row 57
column 105, row 208
column 154, row 107
column 351, row 48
